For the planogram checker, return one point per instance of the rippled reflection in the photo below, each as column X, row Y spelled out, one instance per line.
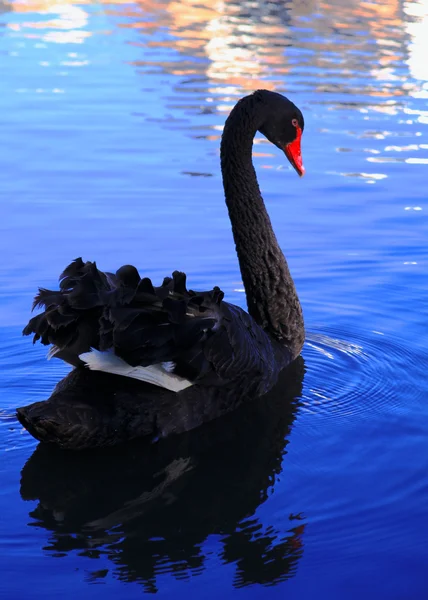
column 248, row 43
column 65, row 22
column 151, row 508
column 243, row 45
column 370, row 56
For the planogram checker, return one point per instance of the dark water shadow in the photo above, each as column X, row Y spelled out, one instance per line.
column 150, row 508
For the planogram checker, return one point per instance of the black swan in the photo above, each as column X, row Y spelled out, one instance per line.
column 169, row 358
column 149, row 508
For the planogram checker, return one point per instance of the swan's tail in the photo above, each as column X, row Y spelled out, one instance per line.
column 88, row 409
column 43, row 421
column 75, row 427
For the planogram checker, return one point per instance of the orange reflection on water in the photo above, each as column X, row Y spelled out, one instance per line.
column 67, row 26
column 235, row 48
column 246, row 45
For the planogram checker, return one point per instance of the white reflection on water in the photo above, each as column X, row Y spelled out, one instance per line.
column 67, row 26
column 417, row 29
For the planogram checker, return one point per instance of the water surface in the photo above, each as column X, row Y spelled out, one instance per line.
column 110, row 119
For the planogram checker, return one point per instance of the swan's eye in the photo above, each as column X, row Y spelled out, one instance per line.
column 295, row 123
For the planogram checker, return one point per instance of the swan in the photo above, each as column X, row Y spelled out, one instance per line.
column 179, row 491
column 170, row 358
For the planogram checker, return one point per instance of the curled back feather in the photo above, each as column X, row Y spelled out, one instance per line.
column 144, row 324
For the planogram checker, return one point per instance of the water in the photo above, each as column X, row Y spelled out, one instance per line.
column 110, row 118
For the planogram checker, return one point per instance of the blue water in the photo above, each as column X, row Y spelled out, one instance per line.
column 110, row 119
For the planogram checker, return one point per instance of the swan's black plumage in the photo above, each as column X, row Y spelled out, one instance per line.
column 227, row 353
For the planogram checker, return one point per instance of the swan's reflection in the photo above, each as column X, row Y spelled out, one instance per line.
column 150, row 508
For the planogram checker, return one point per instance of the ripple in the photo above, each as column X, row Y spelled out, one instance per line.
column 364, row 373
column 26, row 377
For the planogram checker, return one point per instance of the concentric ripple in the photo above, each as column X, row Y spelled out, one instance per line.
column 357, row 372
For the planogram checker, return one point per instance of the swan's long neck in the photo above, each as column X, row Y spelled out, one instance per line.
column 271, row 295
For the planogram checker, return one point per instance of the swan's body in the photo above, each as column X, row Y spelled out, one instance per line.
column 178, row 492
column 178, row 343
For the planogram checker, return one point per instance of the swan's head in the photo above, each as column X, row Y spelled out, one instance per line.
column 283, row 126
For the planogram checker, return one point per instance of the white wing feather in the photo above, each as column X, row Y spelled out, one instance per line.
column 159, row 374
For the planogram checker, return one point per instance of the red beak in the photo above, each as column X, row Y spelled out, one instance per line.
column 294, row 153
